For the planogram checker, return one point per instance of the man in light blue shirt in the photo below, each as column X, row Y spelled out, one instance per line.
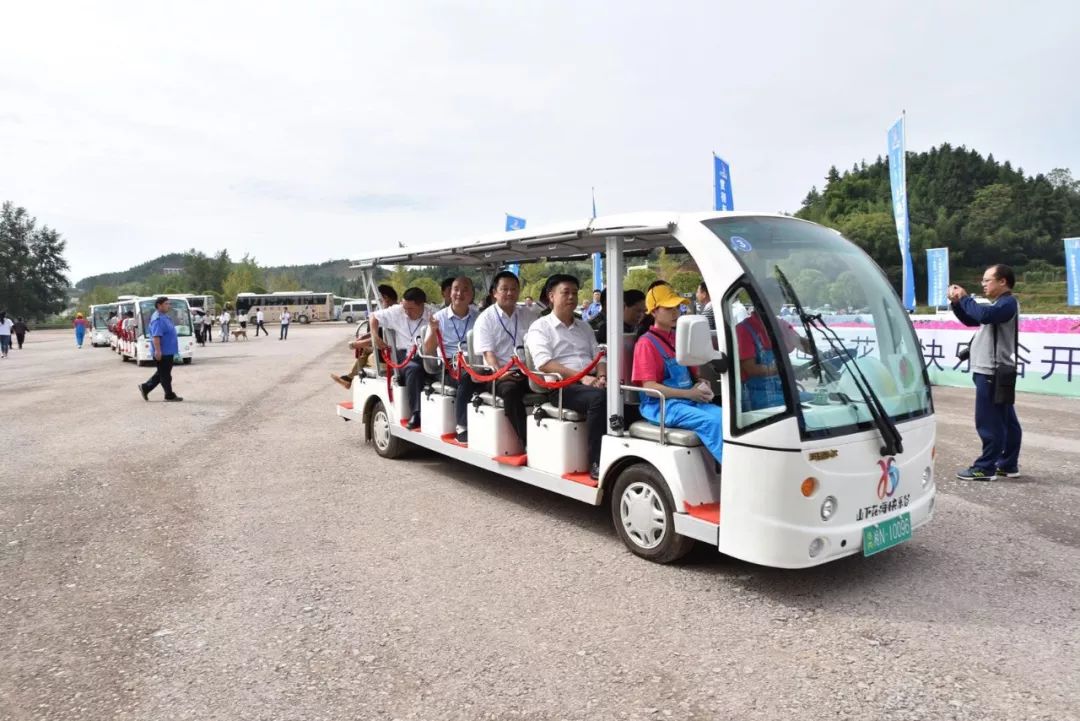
column 166, row 345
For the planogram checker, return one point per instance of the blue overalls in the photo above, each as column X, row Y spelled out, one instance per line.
column 762, row 391
column 705, row 419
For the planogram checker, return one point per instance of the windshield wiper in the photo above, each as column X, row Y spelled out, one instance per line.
column 803, row 318
column 894, row 442
column 890, row 434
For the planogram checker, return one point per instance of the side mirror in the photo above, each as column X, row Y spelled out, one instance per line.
column 693, row 342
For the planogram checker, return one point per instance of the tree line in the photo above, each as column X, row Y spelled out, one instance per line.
column 982, row 210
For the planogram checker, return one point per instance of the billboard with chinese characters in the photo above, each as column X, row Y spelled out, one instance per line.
column 1049, row 351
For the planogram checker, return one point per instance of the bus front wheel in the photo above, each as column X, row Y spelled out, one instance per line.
column 304, row 319
column 641, row 507
column 187, row 361
column 387, row 445
column 349, row 319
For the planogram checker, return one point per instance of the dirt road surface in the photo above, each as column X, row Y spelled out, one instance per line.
column 243, row 555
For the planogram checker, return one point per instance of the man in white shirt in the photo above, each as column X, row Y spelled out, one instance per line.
column 407, row 320
column 286, row 318
column 259, row 323
column 454, row 322
column 564, row 344
column 500, row 332
column 223, row 321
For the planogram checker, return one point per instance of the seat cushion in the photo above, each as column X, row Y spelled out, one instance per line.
column 675, row 436
column 552, row 411
column 530, row 399
column 444, row 388
column 370, row 373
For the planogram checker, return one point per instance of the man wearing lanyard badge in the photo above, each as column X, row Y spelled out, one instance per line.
column 406, row 319
column 500, row 331
column 454, row 322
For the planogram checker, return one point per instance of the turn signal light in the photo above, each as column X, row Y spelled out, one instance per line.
column 933, row 452
column 809, row 486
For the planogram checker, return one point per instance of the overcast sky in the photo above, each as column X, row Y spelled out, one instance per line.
column 299, row 132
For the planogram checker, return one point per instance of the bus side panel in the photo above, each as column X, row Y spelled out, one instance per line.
column 689, row 472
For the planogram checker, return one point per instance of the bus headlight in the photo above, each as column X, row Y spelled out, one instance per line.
column 828, row 508
column 927, row 476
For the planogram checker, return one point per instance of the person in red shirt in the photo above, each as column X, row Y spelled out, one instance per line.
column 686, row 405
column 757, row 360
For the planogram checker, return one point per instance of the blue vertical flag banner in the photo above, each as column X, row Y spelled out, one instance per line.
column 597, row 258
column 898, row 181
column 1072, row 270
column 937, row 276
column 514, row 223
column 722, row 184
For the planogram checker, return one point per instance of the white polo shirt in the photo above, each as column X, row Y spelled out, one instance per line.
column 258, row 316
column 502, row 334
column 455, row 328
column 407, row 332
column 574, row 345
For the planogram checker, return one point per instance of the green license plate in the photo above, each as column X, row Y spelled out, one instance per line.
column 887, row 534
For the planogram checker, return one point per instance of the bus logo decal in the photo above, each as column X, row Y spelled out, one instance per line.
column 890, row 478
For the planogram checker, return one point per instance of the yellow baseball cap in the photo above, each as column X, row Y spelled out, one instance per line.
column 663, row 296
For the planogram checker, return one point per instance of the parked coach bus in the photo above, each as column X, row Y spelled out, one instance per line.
column 305, row 306
column 837, row 459
column 205, row 303
column 136, row 345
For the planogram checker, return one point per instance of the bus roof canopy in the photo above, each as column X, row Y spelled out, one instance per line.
column 642, row 232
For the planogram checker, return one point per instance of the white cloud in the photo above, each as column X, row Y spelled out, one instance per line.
column 299, row 133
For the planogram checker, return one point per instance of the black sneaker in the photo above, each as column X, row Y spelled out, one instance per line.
column 1014, row 473
column 974, row 474
column 594, row 471
column 174, row 399
column 462, row 437
column 143, row 392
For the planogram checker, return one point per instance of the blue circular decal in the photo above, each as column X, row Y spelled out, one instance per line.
column 740, row 244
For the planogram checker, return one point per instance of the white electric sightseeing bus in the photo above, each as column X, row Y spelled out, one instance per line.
column 840, row 462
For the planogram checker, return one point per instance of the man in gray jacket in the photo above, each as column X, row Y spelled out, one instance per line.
column 993, row 356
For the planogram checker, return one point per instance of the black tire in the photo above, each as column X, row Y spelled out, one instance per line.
column 303, row 319
column 643, row 489
column 187, row 361
column 349, row 319
column 386, row 444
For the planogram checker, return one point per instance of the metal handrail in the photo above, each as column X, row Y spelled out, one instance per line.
column 663, row 402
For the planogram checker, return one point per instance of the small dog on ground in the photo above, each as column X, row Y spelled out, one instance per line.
column 236, row 334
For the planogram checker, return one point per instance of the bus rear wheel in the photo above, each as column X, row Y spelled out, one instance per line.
column 642, row 508
column 387, row 445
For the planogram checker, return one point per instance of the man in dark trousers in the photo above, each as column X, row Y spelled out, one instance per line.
column 993, row 360
column 163, row 333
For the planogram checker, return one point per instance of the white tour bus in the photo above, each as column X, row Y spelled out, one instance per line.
column 839, row 461
column 206, row 303
column 135, row 345
column 304, row 305
column 99, row 324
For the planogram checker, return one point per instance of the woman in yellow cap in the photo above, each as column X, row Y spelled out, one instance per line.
column 686, row 404
column 80, row 329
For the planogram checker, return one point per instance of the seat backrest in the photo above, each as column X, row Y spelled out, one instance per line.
column 531, row 366
column 629, row 340
column 431, row 365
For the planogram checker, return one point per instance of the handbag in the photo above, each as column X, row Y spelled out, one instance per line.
column 1005, row 376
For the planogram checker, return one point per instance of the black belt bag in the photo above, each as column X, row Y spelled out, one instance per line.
column 1005, row 385
column 1005, row 376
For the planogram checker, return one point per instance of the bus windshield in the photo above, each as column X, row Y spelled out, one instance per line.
column 101, row 316
column 852, row 348
column 178, row 311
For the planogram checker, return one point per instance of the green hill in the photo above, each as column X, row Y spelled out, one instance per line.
column 985, row 212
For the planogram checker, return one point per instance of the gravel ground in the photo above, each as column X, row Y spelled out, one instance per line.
column 243, row 555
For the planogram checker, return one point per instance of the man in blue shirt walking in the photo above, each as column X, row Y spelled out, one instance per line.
column 163, row 333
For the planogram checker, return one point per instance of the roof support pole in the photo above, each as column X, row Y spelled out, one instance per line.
column 613, row 311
